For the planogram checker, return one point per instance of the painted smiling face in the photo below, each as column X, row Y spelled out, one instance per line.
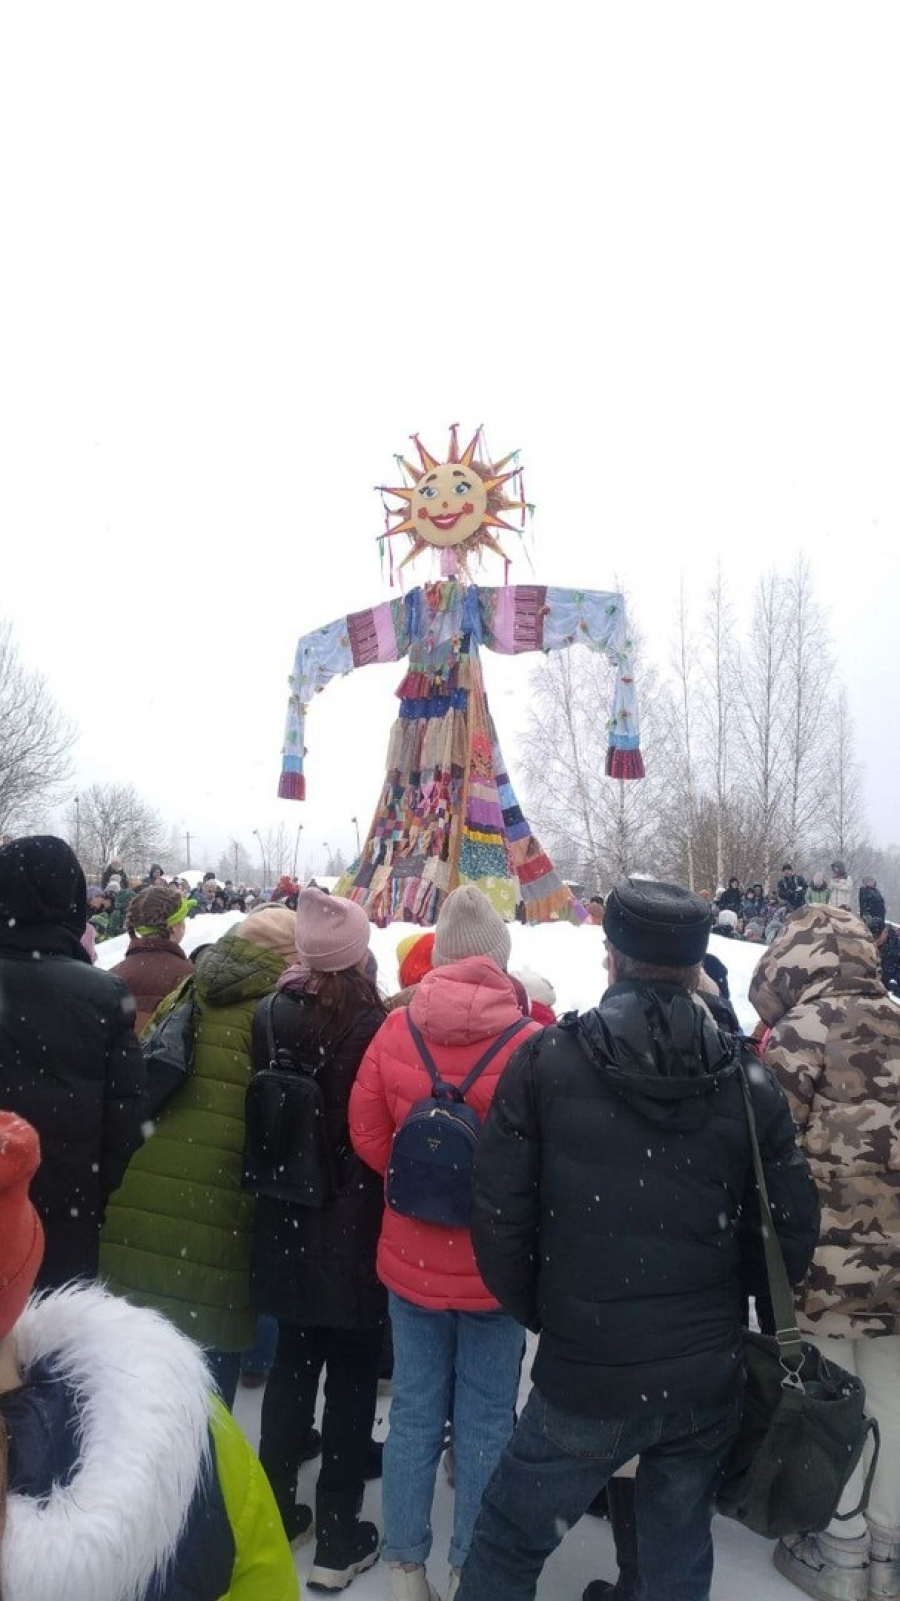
column 448, row 504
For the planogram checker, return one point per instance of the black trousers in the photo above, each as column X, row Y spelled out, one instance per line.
column 350, row 1358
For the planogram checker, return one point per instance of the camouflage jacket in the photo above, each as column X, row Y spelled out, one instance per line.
column 835, row 1047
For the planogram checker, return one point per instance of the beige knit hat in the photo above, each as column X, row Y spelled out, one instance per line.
column 467, row 925
column 271, row 928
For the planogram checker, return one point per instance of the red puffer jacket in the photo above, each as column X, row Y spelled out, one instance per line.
column 459, row 1009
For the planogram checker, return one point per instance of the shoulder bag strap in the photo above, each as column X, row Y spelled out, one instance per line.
column 269, row 1007
column 787, row 1334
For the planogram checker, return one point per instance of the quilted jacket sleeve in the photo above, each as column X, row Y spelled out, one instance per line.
column 372, row 1124
column 505, row 1199
column 125, row 1091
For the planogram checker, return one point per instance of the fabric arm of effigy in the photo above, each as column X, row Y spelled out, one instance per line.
column 380, row 634
column 522, row 617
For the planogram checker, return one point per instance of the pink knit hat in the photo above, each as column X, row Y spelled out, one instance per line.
column 332, row 933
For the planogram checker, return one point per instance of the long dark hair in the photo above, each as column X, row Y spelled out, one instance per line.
column 343, row 994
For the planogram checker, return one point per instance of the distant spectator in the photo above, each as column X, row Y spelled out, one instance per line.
column 730, row 898
column 841, row 887
column 754, row 930
column 595, row 910
column 752, row 902
column 154, row 963
column 541, row 995
column 887, row 944
column 156, row 874
column 871, row 900
column 414, row 958
column 71, row 1064
column 727, row 924
column 120, row 889
column 791, row 888
column 818, row 892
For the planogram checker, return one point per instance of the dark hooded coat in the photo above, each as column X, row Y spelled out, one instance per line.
column 615, row 1210
column 69, row 1060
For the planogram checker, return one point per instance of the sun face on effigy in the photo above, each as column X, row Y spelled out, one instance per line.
column 452, row 505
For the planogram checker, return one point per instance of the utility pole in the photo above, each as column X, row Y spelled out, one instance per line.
column 187, row 849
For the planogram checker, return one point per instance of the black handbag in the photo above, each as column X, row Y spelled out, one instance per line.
column 804, row 1425
column 168, row 1051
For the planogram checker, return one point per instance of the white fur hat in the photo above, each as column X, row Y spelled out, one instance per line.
column 537, row 987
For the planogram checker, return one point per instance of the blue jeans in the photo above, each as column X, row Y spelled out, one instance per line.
column 259, row 1358
column 554, row 1466
column 478, row 1356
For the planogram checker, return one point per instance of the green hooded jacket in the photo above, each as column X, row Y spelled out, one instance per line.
column 177, row 1233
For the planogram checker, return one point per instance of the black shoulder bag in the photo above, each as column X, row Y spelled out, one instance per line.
column 288, row 1155
column 168, row 1051
column 804, row 1425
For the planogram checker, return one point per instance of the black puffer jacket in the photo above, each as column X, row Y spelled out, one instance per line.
column 69, row 1060
column 615, row 1209
column 316, row 1267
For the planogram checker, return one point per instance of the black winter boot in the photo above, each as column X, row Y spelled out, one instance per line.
column 345, row 1545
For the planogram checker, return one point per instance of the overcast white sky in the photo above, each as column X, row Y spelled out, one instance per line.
column 247, row 250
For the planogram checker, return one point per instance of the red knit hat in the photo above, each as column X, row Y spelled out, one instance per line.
column 414, row 955
column 332, row 933
column 21, row 1234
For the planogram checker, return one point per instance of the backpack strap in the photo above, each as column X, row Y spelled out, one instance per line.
column 458, row 1091
column 269, row 1007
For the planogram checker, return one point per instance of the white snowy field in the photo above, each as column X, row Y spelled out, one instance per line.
column 572, row 958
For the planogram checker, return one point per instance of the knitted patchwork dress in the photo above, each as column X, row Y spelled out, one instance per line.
column 448, row 813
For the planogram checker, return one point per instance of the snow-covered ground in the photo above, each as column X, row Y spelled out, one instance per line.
column 572, row 958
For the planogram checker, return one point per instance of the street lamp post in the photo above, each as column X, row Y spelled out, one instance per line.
column 265, row 865
column 327, row 855
column 296, row 850
column 355, row 822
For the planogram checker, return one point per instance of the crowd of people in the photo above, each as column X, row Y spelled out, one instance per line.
column 306, row 1189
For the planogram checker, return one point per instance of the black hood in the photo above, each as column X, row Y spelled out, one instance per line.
column 659, row 1050
column 41, row 886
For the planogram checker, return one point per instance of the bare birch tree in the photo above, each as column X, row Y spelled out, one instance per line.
column 110, row 821
column 605, row 826
column 809, row 670
column 760, row 697
column 36, row 740
column 717, row 712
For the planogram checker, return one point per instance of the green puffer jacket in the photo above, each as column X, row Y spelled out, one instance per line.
column 177, row 1233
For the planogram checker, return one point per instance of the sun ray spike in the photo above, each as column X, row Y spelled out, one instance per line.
column 469, row 452
column 498, row 479
column 401, row 494
column 406, row 527
column 418, row 546
column 490, row 541
column 428, row 461
column 453, row 454
column 499, row 465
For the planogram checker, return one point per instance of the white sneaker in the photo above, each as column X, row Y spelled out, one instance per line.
column 884, row 1562
column 409, row 1582
column 827, row 1568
